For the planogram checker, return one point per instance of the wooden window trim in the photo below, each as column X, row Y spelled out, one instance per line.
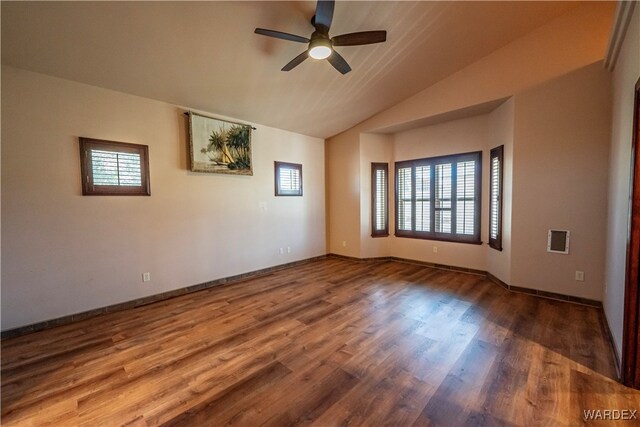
column 630, row 370
column 278, row 190
column 474, row 239
column 497, row 152
column 86, row 169
column 374, row 168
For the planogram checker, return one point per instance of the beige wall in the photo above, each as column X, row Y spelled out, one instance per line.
column 560, row 166
column 625, row 76
column 343, row 195
column 560, row 59
column 571, row 41
column 378, row 149
column 63, row 253
column 556, row 150
column 501, row 122
column 476, row 133
column 59, row 251
column 458, row 136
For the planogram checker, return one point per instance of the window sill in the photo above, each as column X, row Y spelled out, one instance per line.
column 439, row 239
column 380, row 235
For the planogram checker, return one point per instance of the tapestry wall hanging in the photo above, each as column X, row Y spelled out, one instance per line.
column 219, row 146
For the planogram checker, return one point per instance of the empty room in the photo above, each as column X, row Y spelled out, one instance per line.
column 326, row 213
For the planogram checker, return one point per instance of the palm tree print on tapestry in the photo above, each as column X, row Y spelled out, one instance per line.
column 219, row 146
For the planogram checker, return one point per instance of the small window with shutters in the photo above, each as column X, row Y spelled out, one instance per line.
column 288, row 179
column 110, row 168
column 379, row 199
column 438, row 198
column 495, row 197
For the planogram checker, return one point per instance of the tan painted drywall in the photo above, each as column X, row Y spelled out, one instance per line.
column 625, row 76
column 477, row 133
column 458, row 136
column 63, row 253
column 571, row 41
column 554, row 51
column 501, row 122
column 343, row 177
column 560, row 167
column 378, row 149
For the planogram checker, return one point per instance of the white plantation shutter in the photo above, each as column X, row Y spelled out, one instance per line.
column 288, row 179
column 439, row 198
column 443, row 198
column 494, row 213
column 423, row 198
column 404, row 195
column 495, row 197
column 465, row 198
column 379, row 199
column 113, row 168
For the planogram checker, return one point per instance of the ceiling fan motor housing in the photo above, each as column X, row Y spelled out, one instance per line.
column 320, row 46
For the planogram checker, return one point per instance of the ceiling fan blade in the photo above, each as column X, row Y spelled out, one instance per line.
column 356, row 39
column 338, row 62
column 281, row 35
column 295, row 61
column 324, row 14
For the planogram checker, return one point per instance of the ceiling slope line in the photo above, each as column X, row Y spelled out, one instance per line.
column 624, row 11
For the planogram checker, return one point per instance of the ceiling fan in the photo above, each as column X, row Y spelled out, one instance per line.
column 321, row 46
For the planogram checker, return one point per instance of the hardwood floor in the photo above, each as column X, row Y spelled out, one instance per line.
column 332, row 342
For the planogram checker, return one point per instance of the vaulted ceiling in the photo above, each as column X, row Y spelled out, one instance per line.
column 205, row 56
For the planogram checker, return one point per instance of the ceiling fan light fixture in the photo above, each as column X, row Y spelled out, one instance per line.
column 320, row 45
column 320, row 49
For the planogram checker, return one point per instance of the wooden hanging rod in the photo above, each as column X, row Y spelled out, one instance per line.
column 186, row 113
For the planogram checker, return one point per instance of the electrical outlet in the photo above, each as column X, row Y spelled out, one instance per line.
column 580, row 276
column 344, row 243
column 435, row 249
column 281, row 251
column 288, row 249
column 146, row 277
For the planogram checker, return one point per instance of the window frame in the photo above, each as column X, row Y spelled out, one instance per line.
column 279, row 192
column 432, row 162
column 497, row 152
column 375, row 167
column 86, row 168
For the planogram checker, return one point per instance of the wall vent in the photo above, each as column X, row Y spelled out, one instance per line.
column 558, row 241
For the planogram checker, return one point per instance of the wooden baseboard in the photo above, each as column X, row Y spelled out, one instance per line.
column 411, row 261
column 71, row 318
column 612, row 343
column 22, row 330
column 545, row 294
column 355, row 259
column 489, row 276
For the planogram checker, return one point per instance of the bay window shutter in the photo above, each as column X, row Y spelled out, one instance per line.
column 443, row 198
column 466, row 198
column 438, row 198
column 379, row 199
column 495, row 197
column 404, row 194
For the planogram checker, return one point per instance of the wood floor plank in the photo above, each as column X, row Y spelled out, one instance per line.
column 330, row 342
column 460, row 390
column 225, row 402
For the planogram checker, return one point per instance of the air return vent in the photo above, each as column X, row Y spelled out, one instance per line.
column 558, row 241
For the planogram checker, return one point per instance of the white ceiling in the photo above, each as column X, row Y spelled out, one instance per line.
column 205, row 56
